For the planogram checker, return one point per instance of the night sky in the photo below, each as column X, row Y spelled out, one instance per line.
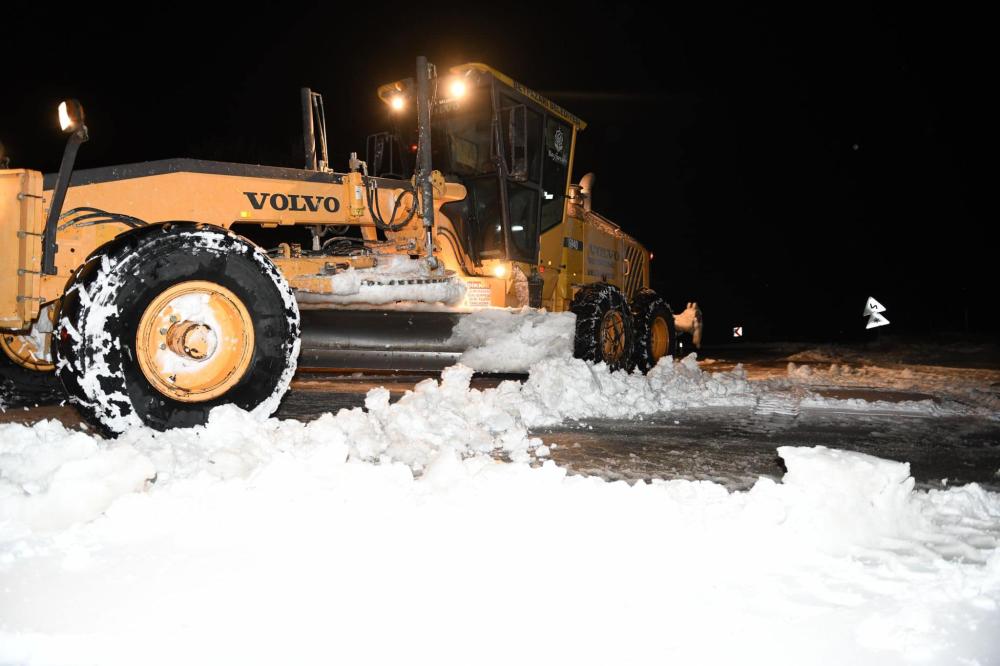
column 782, row 164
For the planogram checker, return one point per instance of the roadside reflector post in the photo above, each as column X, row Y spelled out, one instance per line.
column 873, row 310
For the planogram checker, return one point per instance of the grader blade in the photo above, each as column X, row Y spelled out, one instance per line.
column 348, row 340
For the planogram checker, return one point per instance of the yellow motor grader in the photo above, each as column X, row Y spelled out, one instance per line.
column 155, row 291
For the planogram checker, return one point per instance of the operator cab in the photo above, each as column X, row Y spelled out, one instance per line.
column 510, row 147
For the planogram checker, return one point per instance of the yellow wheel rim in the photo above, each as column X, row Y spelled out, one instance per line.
column 613, row 336
column 659, row 339
column 25, row 351
column 195, row 341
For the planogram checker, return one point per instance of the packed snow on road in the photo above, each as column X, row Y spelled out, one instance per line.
column 435, row 530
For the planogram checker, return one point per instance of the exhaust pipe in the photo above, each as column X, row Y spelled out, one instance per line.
column 587, row 189
column 690, row 321
column 423, row 174
column 71, row 119
column 308, row 131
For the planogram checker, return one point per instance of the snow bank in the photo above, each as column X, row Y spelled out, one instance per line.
column 558, row 389
column 843, row 498
column 435, row 416
column 51, row 478
column 291, row 552
column 244, row 541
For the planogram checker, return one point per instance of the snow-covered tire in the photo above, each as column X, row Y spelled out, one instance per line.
column 655, row 335
column 105, row 365
column 604, row 327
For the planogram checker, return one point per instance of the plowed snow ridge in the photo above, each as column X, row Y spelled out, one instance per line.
column 267, row 541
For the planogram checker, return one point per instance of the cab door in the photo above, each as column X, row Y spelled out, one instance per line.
column 521, row 128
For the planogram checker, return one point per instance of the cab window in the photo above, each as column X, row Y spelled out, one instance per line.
column 555, row 163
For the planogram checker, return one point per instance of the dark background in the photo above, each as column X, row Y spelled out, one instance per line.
column 782, row 164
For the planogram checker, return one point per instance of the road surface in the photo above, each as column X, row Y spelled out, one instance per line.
column 728, row 446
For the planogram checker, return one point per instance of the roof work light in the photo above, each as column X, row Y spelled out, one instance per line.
column 70, row 115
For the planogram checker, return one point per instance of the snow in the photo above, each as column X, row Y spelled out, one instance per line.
column 559, row 389
column 958, row 386
column 97, row 339
column 396, row 533
column 394, row 278
column 506, row 340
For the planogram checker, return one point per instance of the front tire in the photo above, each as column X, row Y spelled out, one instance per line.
column 167, row 322
column 604, row 327
column 655, row 335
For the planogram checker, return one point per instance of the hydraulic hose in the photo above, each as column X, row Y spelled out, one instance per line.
column 456, row 247
column 371, row 191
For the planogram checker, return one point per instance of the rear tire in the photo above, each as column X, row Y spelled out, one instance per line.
column 167, row 322
column 26, row 369
column 21, row 387
column 604, row 327
column 655, row 335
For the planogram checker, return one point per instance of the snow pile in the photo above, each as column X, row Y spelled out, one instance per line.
column 434, row 416
column 503, row 340
column 292, row 553
column 248, row 541
column 560, row 389
column 51, row 478
column 843, row 498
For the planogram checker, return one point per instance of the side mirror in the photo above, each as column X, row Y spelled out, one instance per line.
column 375, row 151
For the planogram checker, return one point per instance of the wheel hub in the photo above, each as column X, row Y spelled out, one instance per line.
column 659, row 339
column 613, row 335
column 192, row 340
column 195, row 341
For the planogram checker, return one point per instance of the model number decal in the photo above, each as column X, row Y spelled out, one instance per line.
column 573, row 243
column 297, row 202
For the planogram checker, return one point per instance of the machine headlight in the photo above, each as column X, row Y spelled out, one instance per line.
column 397, row 102
column 457, row 88
column 500, row 270
column 70, row 115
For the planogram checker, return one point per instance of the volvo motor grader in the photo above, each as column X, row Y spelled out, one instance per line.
column 155, row 291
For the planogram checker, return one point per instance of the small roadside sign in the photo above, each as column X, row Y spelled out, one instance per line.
column 872, row 306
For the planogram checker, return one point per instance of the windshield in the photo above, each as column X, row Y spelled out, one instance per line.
column 461, row 135
column 530, row 197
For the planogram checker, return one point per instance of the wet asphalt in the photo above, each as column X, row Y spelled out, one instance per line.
column 732, row 447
